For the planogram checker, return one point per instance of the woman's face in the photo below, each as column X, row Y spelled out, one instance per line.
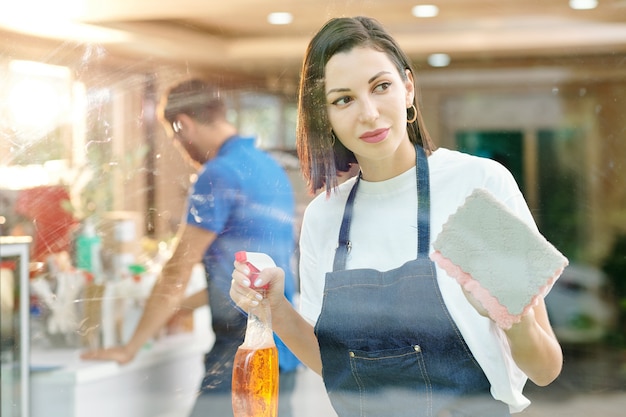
column 367, row 99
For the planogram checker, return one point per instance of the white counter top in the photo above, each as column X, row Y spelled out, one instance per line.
column 66, row 363
column 161, row 381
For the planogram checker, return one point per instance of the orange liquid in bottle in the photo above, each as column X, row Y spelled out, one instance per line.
column 255, row 382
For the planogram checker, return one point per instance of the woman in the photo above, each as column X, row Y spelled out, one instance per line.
column 389, row 331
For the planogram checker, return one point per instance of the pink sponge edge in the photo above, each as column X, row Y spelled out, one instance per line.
column 497, row 311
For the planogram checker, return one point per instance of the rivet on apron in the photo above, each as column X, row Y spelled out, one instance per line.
column 348, row 246
column 417, row 348
column 352, row 354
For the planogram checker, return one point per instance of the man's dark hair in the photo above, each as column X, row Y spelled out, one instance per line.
column 195, row 98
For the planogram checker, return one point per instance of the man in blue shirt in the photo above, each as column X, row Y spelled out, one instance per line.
column 242, row 200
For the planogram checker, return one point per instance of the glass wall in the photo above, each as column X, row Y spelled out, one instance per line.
column 79, row 123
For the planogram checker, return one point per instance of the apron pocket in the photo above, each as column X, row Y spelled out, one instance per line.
column 386, row 381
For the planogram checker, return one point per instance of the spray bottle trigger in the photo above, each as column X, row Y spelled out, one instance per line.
column 257, row 262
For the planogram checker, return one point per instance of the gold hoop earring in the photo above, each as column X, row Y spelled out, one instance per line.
column 414, row 118
column 333, row 138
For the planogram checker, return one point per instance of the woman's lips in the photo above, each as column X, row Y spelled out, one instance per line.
column 374, row 136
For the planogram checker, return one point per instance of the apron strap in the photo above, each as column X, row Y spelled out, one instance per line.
column 423, row 213
column 423, row 202
column 344, row 245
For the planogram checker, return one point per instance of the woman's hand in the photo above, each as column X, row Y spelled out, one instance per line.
column 247, row 294
column 291, row 327
column 533, row 344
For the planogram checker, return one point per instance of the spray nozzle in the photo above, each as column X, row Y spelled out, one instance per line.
column 257, row 262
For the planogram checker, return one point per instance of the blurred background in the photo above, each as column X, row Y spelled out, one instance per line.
column 539, row 85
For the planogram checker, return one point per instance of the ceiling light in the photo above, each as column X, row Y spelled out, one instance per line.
column 583, row 4
column 439, row 60
column 280, row 18
column 425, row 10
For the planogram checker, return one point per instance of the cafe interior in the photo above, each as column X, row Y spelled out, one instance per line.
column 539, row 85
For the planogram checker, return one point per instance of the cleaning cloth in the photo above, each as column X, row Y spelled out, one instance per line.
column 494, row 255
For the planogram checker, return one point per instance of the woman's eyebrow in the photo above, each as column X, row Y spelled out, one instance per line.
column 337, row 90
column 343, row 90
column 377, row 75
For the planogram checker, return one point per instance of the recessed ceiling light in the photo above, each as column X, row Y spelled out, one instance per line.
column 280, row 18
column 425, row 10
column 583, row 4
column 439, row 60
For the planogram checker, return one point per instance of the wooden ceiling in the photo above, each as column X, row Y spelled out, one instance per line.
column 234, row 35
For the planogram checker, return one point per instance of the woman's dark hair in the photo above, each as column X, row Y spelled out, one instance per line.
column 321, row 156
column 195, row 98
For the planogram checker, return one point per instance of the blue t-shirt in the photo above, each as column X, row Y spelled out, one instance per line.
column 245, row 197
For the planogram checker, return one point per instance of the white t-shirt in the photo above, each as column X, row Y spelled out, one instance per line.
column 383, row 234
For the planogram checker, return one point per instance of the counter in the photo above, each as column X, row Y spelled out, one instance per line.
column 161, row 381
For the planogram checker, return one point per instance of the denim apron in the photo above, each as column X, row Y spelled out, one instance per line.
column 388, row 344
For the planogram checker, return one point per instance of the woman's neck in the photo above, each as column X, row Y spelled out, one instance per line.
column 384, row 169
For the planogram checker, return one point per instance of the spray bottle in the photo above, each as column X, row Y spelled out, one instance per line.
column 88, row 251
column 255, row 370
column 96, row 301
